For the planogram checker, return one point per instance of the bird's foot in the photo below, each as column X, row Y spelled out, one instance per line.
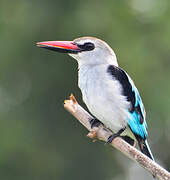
column 113, row 136
column 110, row 139
column 129, row 140
column 94, row 122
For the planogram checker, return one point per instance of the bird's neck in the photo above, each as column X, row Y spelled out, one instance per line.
column 83, row 71
column 83, row 68
column 97, row 61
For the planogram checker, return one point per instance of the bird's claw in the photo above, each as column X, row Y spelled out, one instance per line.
column 110, row 138
column 94, row 123
column 113, row 136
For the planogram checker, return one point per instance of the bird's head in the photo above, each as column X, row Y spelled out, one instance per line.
column 86, row 50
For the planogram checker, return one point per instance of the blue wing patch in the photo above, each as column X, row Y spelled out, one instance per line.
column 136, row 120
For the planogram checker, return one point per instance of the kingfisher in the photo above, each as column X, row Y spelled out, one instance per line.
column 107, row 90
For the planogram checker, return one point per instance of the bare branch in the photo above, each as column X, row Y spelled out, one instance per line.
column 102, row 133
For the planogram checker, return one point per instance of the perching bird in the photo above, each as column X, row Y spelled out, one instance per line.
column 107, row 90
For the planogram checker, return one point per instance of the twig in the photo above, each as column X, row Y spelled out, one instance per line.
column 102, row 133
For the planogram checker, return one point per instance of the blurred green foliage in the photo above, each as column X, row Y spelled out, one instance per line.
column 38, row 138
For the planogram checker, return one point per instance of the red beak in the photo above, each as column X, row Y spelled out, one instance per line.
column 60, row 46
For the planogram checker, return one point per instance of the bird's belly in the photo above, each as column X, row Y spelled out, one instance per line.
column 103, row 97
column 108, row 110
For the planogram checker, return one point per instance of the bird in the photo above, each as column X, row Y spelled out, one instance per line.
column 107, row 90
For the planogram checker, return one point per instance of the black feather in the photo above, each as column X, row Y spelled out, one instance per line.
column 122, row 77
column 144, row 147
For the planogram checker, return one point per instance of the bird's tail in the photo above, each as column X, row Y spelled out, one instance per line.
column 145, row 149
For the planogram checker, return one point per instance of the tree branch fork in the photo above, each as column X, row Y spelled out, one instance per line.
column 102, row 133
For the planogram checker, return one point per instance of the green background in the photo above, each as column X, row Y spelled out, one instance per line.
column 39, row 140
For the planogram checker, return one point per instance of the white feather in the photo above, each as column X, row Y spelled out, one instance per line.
column 102, row 95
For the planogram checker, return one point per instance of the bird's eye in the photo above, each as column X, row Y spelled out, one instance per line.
column 87, row 46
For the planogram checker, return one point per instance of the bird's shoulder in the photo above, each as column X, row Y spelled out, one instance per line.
column 120, row 75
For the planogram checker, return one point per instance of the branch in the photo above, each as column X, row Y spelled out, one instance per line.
column 102, row 133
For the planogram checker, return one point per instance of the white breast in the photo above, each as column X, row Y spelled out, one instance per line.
column 102, row 95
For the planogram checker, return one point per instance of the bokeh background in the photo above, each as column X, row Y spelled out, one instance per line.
column 39, row 140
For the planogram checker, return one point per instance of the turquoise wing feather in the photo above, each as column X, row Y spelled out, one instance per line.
column 136, row 119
